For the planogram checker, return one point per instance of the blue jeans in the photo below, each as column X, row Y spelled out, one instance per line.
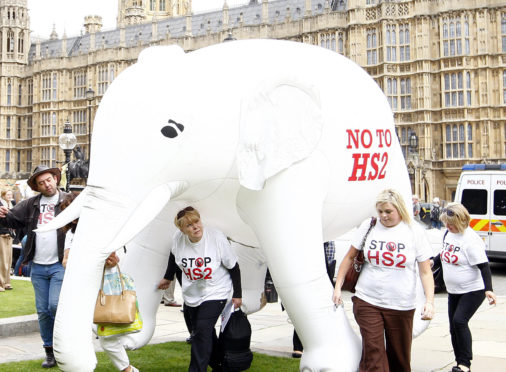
column 436, row 224
column 47, row 281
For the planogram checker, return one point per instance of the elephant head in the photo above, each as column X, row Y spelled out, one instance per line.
column 278, row 144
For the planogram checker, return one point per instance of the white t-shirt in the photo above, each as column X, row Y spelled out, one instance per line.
column 204, row 265
column 46, row 243
column 388, row 277
column 459, row 257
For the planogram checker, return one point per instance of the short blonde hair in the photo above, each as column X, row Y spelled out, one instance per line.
column 4, row 192
column 393, row 197
column 186, row 216
column 457, row 215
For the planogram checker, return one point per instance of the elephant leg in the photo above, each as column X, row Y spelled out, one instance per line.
column 286, row 217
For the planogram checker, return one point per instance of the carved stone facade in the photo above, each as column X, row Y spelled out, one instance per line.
column 441, row 64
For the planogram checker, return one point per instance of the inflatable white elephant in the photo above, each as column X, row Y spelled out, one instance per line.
column 280, row 145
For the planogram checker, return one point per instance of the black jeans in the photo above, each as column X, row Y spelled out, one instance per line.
column 205, row 349
column 461, row 307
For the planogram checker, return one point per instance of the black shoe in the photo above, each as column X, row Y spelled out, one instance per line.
column 50, row 361
column 296, row 354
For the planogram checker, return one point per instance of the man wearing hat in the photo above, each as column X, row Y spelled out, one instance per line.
column 45, row 250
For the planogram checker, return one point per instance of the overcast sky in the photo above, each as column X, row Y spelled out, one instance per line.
column 68, row 15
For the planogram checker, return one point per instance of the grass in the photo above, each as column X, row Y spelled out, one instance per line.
column 19, row 301
column 170, row 356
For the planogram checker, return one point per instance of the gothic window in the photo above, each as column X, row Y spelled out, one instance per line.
column 392, row 93
column 372, row 52
column 80, row 84
column 103, row 82
column 453, row 36
column 19, row 128
column 152, row 5
column 29, row 159
column 406, row 94
column 19, row 95
column 457, row 140
column 455, row 92
column 53, row 157
column 45, row 124
column 8, row 128
column 504, row 86
column 29, row 128
column 46, row 87
column 21, row 41
column 10, row 41
column 9, row 94
column 404, row 43
column 53, row 123
column 7, row 160
column 30, row 92
column 162, row 5
column 391, row 43
column 18, row 161
column 503, row 32
column 55, row 86
column 45, row 156
column 79, row 121
column 340, row 43
column 404, row 140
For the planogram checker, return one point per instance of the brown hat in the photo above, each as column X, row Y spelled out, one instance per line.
column 40, row 169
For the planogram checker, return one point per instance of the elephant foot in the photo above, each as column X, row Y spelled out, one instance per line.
column 339, row 354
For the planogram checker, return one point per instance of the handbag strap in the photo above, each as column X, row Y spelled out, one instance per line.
column 120, row 279
column 361, row 250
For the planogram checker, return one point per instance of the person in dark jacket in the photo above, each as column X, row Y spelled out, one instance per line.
column 45, row 249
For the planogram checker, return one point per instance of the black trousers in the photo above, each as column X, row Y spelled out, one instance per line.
column 205, row 349
column 461, row 307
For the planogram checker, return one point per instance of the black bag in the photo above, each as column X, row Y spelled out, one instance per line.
column 235, row 343
column 435, row 211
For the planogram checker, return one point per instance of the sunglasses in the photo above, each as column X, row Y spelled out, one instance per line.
column 182, row 212
column 448, row 212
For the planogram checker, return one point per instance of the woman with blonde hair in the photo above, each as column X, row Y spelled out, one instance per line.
column 211, row 277
column 385, row 297
column 467, row 277
column 6, row 236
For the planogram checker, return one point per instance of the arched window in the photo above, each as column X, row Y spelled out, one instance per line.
column 9, row 94
column 21, row 42
column 162, row 6
column 10, row 41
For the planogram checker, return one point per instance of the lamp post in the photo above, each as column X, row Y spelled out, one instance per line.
column 90, row 95
column 67, row 142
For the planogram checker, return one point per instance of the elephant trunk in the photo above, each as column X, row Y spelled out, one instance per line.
column 72, row 339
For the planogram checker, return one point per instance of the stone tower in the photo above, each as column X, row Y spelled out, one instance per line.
column 141, row 11
column 14, row 50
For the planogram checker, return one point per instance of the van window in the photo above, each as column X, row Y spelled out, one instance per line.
column 500, row 202
column 475, row 200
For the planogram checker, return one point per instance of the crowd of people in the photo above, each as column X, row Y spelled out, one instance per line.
column 396, row 251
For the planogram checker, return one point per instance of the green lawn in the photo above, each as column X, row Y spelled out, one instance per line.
column 171, row 356
column 19, row 301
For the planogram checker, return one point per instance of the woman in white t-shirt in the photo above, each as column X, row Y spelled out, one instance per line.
column 211, row 277
column 385, row 298
column 467, row 278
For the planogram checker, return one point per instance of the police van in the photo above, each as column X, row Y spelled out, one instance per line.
column 482, row 190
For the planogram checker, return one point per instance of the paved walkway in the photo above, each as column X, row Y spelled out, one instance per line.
column 272, row 334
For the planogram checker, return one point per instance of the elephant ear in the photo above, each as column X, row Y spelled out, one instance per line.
column 280, row 123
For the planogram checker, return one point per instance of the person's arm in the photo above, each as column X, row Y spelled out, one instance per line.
column 428, row 288
column 235, row 275
column 341, row 273
column 169, row 273
column 487, row 280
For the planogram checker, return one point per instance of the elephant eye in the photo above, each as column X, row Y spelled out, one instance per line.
column 170, row 130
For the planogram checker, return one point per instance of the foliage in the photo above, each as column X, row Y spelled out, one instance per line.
column 171, row 356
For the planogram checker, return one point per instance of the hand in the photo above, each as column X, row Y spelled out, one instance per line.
column 492, row 299
column 237, row 302
column 336, row 297
column 428, row 311
column 164, row 284
column 3, row 211
column 112, row 260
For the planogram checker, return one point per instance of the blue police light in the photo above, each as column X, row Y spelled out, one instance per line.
column 474, row 167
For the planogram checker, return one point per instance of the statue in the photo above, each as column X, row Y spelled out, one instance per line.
column 79, row 167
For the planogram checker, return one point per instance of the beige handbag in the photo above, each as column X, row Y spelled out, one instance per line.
column 115, row 309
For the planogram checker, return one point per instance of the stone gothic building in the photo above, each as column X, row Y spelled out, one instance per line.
column 440, row 63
